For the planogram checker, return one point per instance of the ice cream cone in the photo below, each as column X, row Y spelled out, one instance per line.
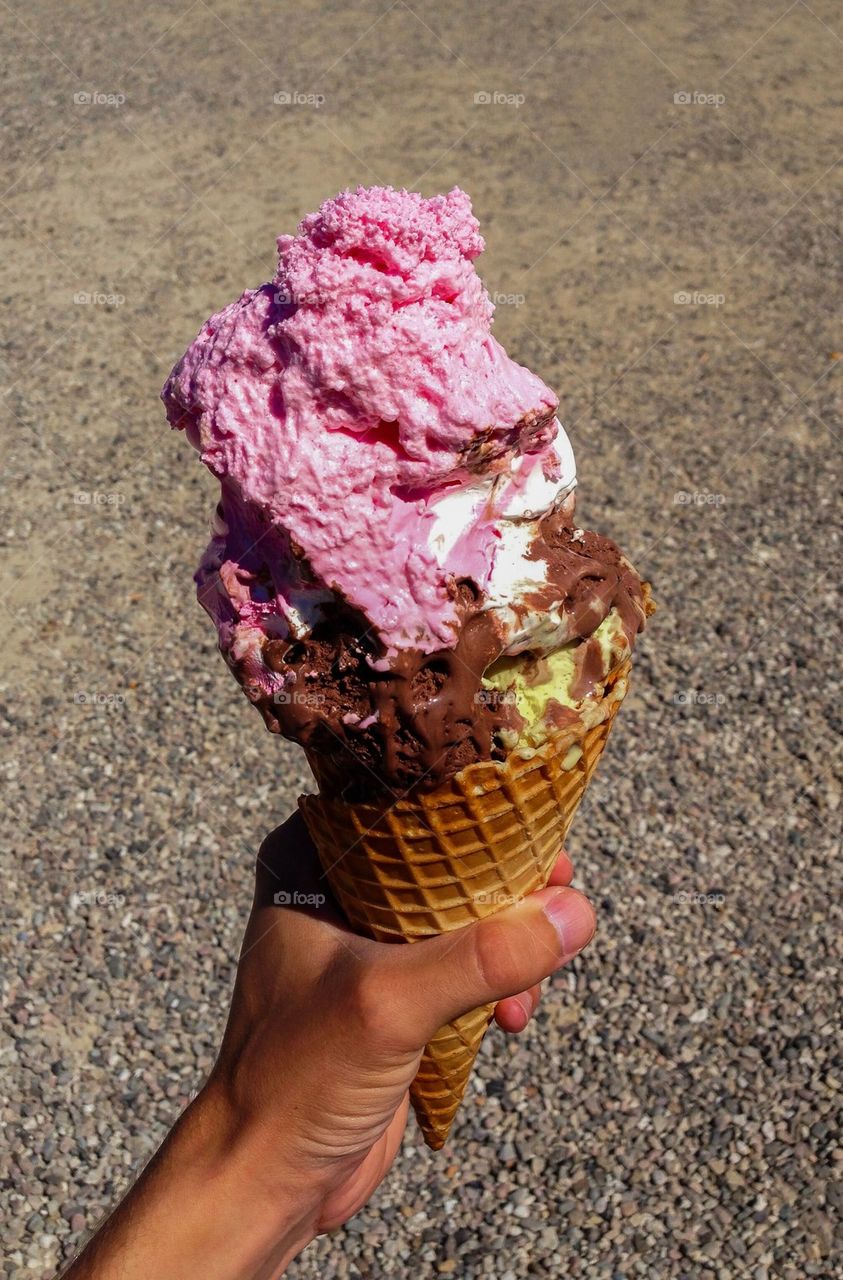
column 432, row 862
column 397, row 576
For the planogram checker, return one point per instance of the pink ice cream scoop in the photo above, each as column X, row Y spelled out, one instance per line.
column 341, row 405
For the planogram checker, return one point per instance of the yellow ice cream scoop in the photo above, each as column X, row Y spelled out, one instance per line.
column 556, row 689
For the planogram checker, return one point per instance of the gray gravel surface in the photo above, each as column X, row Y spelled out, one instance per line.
column 674, row 1110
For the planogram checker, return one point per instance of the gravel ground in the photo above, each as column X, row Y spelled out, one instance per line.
column 670, row 267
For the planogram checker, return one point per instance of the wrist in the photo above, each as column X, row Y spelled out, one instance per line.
column 266, row 1206
column 209, row 1206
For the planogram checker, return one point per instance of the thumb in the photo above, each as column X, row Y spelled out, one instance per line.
column 484, row 962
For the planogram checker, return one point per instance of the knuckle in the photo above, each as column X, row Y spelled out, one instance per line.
column 372, row 1006
column 495, row 957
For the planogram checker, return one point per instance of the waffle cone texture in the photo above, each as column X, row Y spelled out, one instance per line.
column 436, row 861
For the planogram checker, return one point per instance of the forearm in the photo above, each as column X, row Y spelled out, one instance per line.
column 204, row 1207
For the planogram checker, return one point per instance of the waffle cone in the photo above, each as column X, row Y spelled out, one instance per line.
column 435, row 861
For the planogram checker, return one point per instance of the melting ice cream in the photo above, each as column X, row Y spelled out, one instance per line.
column 397, row 497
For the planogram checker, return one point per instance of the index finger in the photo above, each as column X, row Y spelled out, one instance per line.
column 563, row 870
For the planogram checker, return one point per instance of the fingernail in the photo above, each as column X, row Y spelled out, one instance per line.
column 572, row 918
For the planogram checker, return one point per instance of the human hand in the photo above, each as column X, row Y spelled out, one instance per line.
column 306, row 1106
column 327, row 1028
